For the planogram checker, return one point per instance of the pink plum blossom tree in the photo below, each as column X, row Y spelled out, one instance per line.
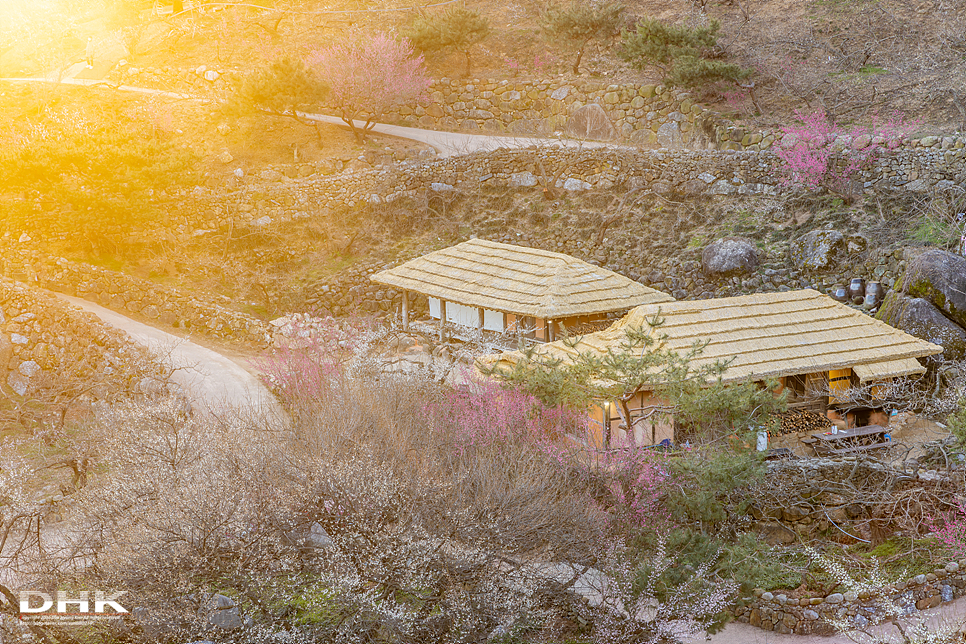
column 818, row 153
column 368, row 75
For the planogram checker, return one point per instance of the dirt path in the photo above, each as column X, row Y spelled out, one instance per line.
column 211, row 381
column 446, row 144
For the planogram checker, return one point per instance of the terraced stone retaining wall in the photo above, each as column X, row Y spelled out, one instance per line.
column 782, row 614
column 648, row 115
column 683, row 172
column 124, row 293
column 811, row 495
column 41, row 336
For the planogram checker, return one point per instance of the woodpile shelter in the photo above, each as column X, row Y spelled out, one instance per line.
column 503, row 288
column 816, row 348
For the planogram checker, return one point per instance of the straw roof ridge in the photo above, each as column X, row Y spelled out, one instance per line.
column 519, row 280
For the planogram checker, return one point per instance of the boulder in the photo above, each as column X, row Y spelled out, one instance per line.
column 522, row 180
column 775, row 534
column 729, row 257
column 819, row 250
column 6, row 350
column 590, row 122
column 317, row 537
column 940, row 277
column 221, row 612
column 669, row 135
column 918, row 317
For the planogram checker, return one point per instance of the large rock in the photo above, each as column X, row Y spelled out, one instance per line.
column 669, row 135
column 590, row 122
column 729, row 257
column 819, row 250
column 920, row 318
column 939, row 277
column 6, row 350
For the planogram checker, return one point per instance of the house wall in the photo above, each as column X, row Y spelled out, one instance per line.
column 467, row 316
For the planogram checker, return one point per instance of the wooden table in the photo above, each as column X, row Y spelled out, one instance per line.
column 850, row 441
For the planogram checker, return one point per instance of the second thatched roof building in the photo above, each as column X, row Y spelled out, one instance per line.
column 816, row 347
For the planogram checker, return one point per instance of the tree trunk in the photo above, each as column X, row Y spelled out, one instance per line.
column 580, row 54
column 360, row 137
column 469, row 64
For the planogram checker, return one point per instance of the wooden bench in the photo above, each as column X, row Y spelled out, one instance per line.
column 850, row 441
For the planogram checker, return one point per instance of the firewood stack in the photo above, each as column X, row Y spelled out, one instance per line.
column 802, row 420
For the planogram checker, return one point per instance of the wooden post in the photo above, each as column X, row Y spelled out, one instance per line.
column 479, row 320
column 405, row 310
column 442, row 317
column 606, row 418
column 551, row 336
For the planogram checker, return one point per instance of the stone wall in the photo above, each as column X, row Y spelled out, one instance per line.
column 41, row 336
column 197, row 81
column 648, row 115
column 811, row 494
column 685, row 172
column 775, row 611
column 127, row 294
column 682, row 172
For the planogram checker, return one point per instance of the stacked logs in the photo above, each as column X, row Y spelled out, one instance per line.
column 801, row 420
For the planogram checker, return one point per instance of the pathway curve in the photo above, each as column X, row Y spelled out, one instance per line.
column 211, row 382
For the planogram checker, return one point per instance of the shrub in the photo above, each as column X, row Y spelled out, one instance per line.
column 639, row 605
column 95, row 174
column 949, row 529
column 282, row 88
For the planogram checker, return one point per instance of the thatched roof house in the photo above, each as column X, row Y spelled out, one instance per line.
column 482, row 283
column 798, row 336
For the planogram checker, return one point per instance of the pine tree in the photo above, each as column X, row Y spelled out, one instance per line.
column 457, row 29
column 281, row 88
column 577, row 24
column 683, row 54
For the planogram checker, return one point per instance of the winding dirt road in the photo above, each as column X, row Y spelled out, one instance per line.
column 446, row 144
column 212, row 382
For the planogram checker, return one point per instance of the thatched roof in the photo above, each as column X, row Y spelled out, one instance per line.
column 519, row 280
column 765, row 335
column 891, row 369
